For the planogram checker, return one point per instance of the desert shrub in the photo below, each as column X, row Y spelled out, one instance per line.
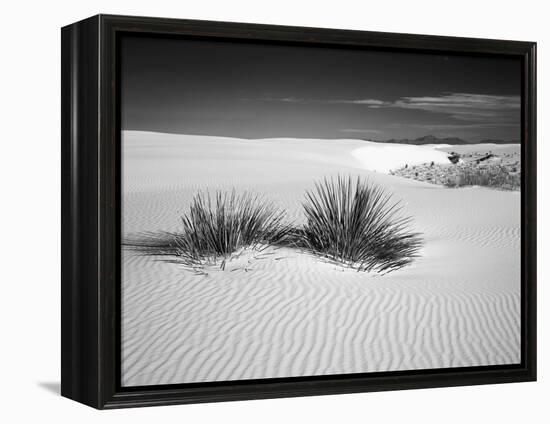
column 215, row 227
column 356, row 223
column 496, row 176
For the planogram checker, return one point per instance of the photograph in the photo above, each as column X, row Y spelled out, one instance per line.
column 302, row 211
column 274, row 213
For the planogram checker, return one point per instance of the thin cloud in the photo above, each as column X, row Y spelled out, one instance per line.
column 283, row 99
column 368, row 102
column 461, row 126
column 461, row 106
column 359, row 131
column 466, row 106
column 495, row 110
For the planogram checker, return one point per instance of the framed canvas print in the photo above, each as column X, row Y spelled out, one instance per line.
column 254, row 211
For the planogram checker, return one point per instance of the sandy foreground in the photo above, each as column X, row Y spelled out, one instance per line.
column 292, row 314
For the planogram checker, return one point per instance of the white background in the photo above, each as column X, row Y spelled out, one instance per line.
column 30, row 212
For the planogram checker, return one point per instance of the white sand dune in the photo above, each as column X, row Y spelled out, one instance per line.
column 383, row 157
column 295, row 315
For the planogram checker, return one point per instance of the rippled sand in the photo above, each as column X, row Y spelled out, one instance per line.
column 293, row 314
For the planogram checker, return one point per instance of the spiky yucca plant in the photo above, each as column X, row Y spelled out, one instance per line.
column 356, row 223
column 219, row 225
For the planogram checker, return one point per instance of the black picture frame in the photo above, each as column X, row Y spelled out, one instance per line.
column 91, row 214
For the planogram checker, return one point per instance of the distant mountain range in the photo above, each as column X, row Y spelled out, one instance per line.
column 432, row 139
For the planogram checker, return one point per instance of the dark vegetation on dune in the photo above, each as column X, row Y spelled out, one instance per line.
column 477, row 168
column 358, row 224
column 217, row 226
column 495, row 176
column 351, row 222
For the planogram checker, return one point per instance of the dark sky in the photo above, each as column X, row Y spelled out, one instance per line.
column 260, row 91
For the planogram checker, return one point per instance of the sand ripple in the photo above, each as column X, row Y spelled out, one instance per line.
column 290, row 318
column 457, row 305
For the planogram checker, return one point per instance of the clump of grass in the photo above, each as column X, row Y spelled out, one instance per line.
column 216, row 227
column 356, row 223
column 352, row 222
column 496, row 176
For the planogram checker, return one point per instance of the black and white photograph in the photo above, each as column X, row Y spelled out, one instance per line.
column 292, row 211
column 275, row 212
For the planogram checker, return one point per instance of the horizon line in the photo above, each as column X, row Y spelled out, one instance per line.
column 482, row 141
